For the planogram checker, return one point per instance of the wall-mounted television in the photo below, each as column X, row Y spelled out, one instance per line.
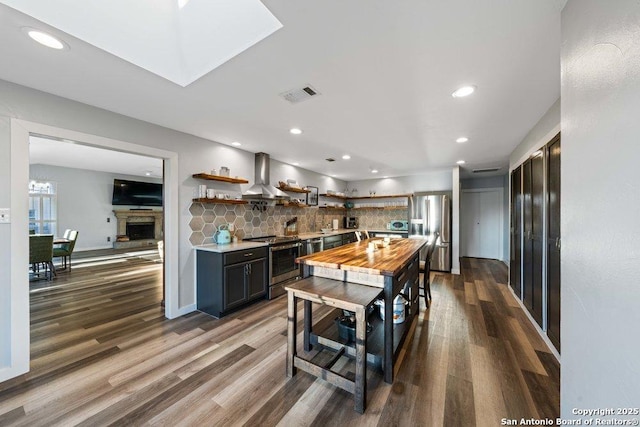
column 136, row 193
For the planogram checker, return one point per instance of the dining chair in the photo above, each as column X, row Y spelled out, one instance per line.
column 66, row 249
column 41, row 253
column 358, row 235
column 64, row 236
column 426, row 280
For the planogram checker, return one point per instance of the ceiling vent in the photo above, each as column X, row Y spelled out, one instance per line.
column 330, row 159
column 295, row 96
column 486, row 170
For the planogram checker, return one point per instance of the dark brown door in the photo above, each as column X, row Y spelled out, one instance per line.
column 527, row 246
column 516, row 231
column 533, row 202
column 553, row 242
column 538, row 196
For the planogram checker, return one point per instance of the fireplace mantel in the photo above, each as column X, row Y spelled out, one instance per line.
column 138, row 216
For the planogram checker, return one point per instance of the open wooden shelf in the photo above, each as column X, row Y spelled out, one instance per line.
column 334, row 196
column 365, row 197
column 292, row 204
column 342, row 208
column 220, row 178
column 293, row 189
column 378, row 197
column 221, row 201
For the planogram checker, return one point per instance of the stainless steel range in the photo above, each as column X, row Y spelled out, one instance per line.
column 283, row 251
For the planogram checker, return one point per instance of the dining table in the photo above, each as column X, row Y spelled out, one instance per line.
column 391, row 265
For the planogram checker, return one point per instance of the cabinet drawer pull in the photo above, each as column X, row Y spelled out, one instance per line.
column 249, row 254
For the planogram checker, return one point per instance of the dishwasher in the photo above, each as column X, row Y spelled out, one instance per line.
column 310, row 246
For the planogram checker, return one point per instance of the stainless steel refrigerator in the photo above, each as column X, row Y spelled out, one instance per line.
column 428, row 213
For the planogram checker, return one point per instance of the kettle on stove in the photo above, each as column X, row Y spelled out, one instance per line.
column 222, row 236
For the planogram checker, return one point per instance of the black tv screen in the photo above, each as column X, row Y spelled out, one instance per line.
column 136, row 193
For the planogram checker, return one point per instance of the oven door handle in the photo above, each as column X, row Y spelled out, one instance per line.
column 287, row 246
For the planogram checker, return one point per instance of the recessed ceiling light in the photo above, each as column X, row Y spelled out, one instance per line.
column 460, row 162
column 463, row 91
column 374, row 170
column 295, row 131
column 236, row 144
column 147, row 173
column 45, row 39
column 346, row 157
column 296, row 164
column 462, row 139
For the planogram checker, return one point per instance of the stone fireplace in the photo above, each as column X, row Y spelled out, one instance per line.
column 138, row 228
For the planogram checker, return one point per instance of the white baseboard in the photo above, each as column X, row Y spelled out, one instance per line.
column 186, row 310
column 93, row 248
column 537, row 327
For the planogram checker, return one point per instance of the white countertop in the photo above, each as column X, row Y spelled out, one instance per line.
column 230, row 247
column 307, row 236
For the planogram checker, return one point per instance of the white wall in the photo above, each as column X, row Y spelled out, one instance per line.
column 283, row 171
column 84, row 202
column 5, row 246
column 545, row 129
column 432, row 181
column 600, row 204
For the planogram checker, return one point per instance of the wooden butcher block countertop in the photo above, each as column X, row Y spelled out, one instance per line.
column 354, row 257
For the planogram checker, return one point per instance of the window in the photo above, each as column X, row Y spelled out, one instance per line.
column 43, row 209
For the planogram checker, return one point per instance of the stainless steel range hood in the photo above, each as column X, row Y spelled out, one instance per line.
column 262, row 189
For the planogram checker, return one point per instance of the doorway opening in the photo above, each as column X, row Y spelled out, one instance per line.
column 19, row 349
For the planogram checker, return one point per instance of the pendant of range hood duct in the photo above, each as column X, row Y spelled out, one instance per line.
column 262, row 189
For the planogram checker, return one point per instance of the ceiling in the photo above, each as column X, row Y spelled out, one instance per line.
column 71, row 155
column 385, row 72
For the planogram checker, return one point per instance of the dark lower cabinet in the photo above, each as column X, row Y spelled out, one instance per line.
column 331, row 242
column 348, row 238
column 227, row 281
column 257, row 279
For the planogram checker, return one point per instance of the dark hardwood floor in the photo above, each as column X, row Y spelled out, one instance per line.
column 103, row 354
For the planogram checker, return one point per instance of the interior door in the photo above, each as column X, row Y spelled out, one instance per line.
column 553, row 242
column 533, row 205
column 515, row 228
column 527, row 246
column 482, row 213
column 470, row 224
column 538, row 196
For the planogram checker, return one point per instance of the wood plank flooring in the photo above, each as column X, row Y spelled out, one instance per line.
column 103, row 354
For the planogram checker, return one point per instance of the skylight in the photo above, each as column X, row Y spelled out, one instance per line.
column 180, row 40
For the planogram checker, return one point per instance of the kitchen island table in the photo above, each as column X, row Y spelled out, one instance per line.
column 392, row 268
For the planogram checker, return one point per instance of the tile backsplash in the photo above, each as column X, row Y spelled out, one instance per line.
column 250, row 222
